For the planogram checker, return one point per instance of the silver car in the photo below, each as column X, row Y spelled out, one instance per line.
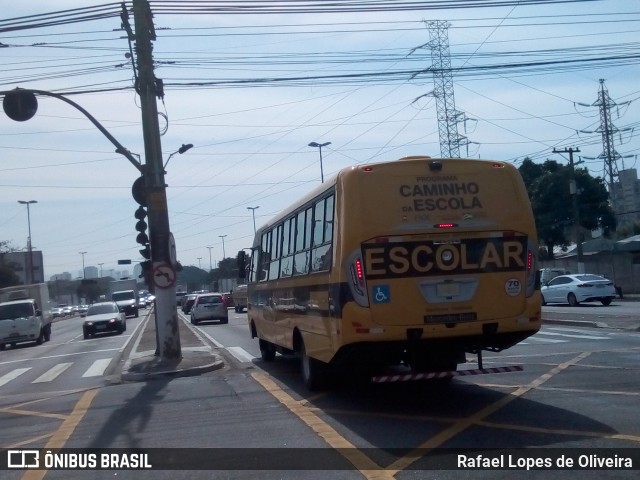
column 103, row 317
column 209, row 306
column 580, row 287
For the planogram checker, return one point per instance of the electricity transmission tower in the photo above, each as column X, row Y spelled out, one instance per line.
column 607, row 129
column 448, row 116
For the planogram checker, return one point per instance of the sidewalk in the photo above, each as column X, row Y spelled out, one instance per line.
column 142, row 364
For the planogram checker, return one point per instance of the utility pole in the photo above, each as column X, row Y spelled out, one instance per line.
column 223, row 252
column 163, row 273
column 210, row 264
column 573, row 191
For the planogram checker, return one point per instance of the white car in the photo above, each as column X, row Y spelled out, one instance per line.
column 209, row 306
column 580, row 287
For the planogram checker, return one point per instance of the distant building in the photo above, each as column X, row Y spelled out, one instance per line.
column 626, row 197
column 61, row 276
column 91, row 272
column 19, row 263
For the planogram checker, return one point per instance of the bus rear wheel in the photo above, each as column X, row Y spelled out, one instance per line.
column 267, row 350
column 314, row 372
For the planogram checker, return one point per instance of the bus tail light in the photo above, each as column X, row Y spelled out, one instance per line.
column 531, row 260
column 357, row 281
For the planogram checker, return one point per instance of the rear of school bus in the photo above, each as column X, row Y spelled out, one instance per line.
column 439, row 259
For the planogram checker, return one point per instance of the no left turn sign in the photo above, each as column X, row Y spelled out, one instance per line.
column 164, row 276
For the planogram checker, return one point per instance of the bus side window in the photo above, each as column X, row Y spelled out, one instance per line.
column 265, row 256
column 303, row 242
column 288, row 241
column 322, row 235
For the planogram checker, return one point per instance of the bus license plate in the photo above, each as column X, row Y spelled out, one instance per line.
column 447, row 289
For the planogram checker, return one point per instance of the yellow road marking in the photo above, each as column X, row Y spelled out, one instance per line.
column 573, row 433
column 60, row 436
column 367, row 467
column 28, row 441
column 19, row 411
column 463, row 424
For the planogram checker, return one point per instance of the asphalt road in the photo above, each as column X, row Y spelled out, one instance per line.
column 579, row 389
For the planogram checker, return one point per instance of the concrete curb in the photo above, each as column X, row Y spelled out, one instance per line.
column 142, row 366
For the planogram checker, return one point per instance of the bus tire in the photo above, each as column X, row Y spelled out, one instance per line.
column 314, row 372
column 573, row 301
column 267, row 350
column 40, row 339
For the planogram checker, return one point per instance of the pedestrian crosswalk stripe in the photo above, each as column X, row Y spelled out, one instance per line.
column 13, row 374
column 241, row 354
column 97, row 368
column 52, row 373
column 570, row 335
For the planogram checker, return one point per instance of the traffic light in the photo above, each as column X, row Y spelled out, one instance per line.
column 146, row 252
column 146, row 272
column 141, row 226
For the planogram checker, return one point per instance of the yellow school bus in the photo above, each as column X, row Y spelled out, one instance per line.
column 413, row 262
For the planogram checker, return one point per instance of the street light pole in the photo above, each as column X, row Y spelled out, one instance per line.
column 210, row 264
column 200, row 262
column 223, row 252
column 29, row 276
column 100, row 265
column 83, row 272
column 319, row 146
column 253, row 214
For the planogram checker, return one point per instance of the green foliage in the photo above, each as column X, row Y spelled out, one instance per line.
column 548, row 188
column 7, row 277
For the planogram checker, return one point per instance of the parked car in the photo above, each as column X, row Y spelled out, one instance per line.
column 209, row 306
column 187, row 302
column 57, row 312
column 580, row 287
column 104, row 317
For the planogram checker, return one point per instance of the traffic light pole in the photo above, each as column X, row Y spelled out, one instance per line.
column 163, row 272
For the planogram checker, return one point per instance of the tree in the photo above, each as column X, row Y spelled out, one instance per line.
column 8, row 278
column 548, row 188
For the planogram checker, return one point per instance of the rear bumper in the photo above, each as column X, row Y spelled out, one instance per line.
column 392, row 352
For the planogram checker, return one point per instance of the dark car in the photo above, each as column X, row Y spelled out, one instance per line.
column 187, row 303
column 103, row 317
column 227, row 299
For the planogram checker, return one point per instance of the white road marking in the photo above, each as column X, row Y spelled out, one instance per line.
column 97, row 368
column 241, row 354
column 13, row 374
column 542, row 340
column 52, row 373
column 589, row 337
column 59, row 356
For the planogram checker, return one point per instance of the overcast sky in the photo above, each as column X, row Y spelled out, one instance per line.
column 524, row 76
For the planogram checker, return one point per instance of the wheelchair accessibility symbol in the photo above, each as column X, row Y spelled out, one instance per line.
column 381, row 294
